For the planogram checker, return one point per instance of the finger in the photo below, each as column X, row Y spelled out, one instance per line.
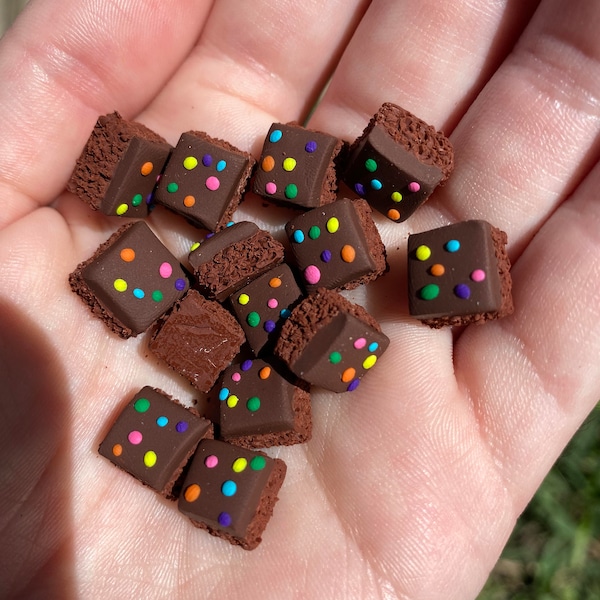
column 61, row 68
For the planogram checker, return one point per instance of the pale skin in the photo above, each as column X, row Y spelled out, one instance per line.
column 412, row 484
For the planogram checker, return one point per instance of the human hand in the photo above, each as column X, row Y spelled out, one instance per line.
column 410, row 485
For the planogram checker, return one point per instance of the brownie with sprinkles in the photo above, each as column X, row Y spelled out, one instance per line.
column 204, row 180
column 459, row 274
column 259, row 407
column 330, row 342
column 262, row 306
column 231, row 491
column 153, row 439
column 198, row 339
column 231, row 258
column 337, row 246
column 298, row 166
column 119, row 166
column 131, row 280
column 397, row 162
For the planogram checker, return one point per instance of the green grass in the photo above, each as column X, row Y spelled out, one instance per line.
column 554, row 551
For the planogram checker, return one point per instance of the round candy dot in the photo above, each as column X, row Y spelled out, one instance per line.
column 147, row 168
column 150, row 458
column 360, row 343
column 376, row 184
column 211, row 461
column 348, row 253
column 239, row 465
column 359, row 188
column 275, row 282
column 190, row 162
column 141, row 405
column 298, row 236
column 268, row 164
column 127, row 254
column 437, row 270
column 275, row 135
column 212, row 183
column 289, row 164
column 138, row 293
column 414, row 187
column 284, row 313
column 478, row 275
column 373, row 346
column 221, row 166
column 229, row 488
column 369, row 361
column 462, row 291
column 272, row 303
column 353, row 385
column 370, row 165
column 207, row 160
column 270, row 188
column 246, row 365
column 326, row 256
column 120, row 285
column 243, row 299
column 452, row 245
column 265, row 373
column 165, row 270
column 172, row 187
column 192, row 492
column 122, row 209
column 253, row 404
column 180, row 284
column 333, row 224
column 235, row 377
column 117, row 450
column 258, row 463
column 162, row 421
column 423, row 252
column 137, row 200
column 335, row 358
column 253, row 319
column 225, row 519
column 310, row 147
column 314, row 232
column 396, row 196
column 291, row 191
column 157, row 296
column 232, row 401
column 348, row 374
column 312, row 274
column 135, row 437
column 429, row 292
column 182, row 427
column 189, row 201
column 223, row 393
column 393, row 214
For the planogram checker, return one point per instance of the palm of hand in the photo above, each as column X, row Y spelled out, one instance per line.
column 411, row 485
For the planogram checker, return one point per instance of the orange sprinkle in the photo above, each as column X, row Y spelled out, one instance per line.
column 348, row 253
column 192, row 492
column 393, row 214
column 437, row 270
column 268, row 163
column 147, row 168
column 189, row 201
column 117, row 450
column 264, row 373
column 127, row 254
column 348, row 375
column 275, row 282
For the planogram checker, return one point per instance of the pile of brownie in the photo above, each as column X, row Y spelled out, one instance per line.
column 254, row 323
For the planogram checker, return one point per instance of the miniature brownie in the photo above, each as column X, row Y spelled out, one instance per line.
column 337, row 246
column 330, row 342
column 231, row 258
column 204, row 180
column 298, row 166
column 153, row 438
column 262, row 306
column 261, row 408
column 131, row 280
column 397, row 162
column 459, row 274
column 119, row 166
column 197, row 339
column 231, row 491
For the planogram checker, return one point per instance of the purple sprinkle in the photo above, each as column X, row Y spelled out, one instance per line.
column 311, row 146
column 246, row 365
column 359, row 188
column 353, row 385
column 181, row 426
column 269, row 326
column 207, row 160
column 462, row 291
column 224, row 519
column 326, row 256
column 180, row 284
column 208, row 236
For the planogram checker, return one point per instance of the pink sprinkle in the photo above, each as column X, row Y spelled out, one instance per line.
column 478, row 275
column 212, row 183
column 270, row 188
column 360, row 343
column 413, row 187
column 211, row 461
column 236, row 377
column 312, row 274
column 272, row 303
column 135, row 437
column 165, row 270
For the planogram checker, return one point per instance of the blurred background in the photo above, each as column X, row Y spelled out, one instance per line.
column 554, row 551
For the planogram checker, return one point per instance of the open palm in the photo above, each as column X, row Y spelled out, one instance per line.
column 412, row 484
